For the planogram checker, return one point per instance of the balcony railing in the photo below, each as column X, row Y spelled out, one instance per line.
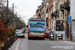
column 65, row 6
column 62, row 7
column 47, row 10
column 55, row 14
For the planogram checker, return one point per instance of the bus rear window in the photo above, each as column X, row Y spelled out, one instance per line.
column 40, row 24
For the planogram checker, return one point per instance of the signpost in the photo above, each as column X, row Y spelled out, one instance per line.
column 69, row 19
column 69, row 22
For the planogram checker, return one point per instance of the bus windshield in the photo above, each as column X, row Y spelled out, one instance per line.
column 37, row 24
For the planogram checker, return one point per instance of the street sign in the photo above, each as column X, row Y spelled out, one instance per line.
column 69, row 19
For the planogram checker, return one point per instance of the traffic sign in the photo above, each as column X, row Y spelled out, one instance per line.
column 69, row 19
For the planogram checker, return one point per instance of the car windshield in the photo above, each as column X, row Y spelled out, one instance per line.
column 36, row 24
column 20, row 31
column 17, row 30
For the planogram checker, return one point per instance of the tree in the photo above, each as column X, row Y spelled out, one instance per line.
column 3, row 30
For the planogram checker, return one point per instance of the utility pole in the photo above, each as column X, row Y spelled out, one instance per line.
column 1, row 8
column 13, row 8
column 63, row 14
column 7, row 10
column 13, row 13
column 15, row 20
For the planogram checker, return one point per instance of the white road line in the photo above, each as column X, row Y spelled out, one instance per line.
column 17, row 45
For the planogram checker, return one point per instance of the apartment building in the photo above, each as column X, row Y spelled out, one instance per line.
column 37, row 12
column 52, row 10
column 61, row 10
column 46, row 13
column 49, row 15
column 65, row 11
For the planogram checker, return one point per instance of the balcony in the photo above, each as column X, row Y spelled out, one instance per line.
column 55, row 14
column 62, row 7
column 65, row 6
column 47, row 10
column 42, row 13
column 39, row 15
column 37, row 11
column 42, row 6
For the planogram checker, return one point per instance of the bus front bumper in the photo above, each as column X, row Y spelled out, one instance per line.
column 31, row 35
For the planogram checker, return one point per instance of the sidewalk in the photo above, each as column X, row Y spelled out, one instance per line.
column 72, row 41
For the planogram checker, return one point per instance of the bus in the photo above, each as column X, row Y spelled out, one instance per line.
column 36, row 28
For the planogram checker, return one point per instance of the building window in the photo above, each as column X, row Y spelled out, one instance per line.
column 49, row 25
column 51, row 6
column 47, row 10
column 58, row 0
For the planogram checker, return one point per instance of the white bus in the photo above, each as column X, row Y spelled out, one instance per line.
column 36, row 28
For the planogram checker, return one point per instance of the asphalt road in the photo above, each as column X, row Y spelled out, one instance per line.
column 25, row 44
column 20, row 44
column 50, row 45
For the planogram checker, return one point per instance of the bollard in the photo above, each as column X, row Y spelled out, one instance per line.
column 9, row 43
column 5, row 45
column 53, row 36
column 49, row 37
column 61, row 36
column 56, row 37
column 3, row 48
column 71, row 37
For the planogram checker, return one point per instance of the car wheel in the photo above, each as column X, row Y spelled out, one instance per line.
column 23, row 36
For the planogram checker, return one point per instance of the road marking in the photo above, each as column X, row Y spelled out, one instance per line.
column 17, row 45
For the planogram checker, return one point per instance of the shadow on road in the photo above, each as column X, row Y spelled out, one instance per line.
column 35, row 39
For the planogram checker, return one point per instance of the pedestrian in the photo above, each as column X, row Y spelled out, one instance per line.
column 50, row 35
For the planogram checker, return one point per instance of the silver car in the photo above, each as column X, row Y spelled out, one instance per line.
column 19, row 33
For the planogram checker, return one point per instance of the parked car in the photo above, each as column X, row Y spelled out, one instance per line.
column 19, row 33
column 47, row 34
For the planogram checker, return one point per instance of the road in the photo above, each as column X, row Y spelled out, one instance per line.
column 50, row 45
column 25, row 44
column 20, row 44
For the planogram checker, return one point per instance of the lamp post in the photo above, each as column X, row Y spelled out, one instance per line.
column 7, row 11
column 1, row 8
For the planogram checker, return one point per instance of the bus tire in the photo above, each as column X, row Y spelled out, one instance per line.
column 28, row 38
column 42, row 38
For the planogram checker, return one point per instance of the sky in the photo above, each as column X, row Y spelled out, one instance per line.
column 25, row 8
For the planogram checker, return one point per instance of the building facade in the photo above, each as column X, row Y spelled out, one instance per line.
column 50, row 9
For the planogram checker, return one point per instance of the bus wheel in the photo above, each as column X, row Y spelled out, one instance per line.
column 28, row 38
column 42, row 38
